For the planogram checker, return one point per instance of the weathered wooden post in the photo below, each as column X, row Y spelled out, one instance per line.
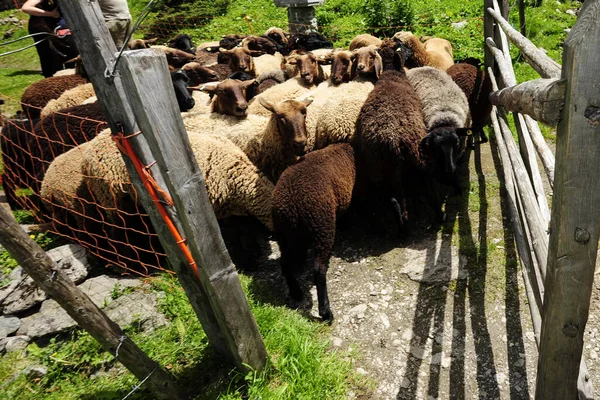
column 242, row 345
column 301, row 14
column 40, row 267
column 575, row 225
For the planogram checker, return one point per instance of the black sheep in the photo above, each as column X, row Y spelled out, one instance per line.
column 183, row 42
column 307, row 200
column 307, row 42
column 180, row 80
column 389, row 130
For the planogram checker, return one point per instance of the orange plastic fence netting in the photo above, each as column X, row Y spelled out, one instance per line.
column 52, row 169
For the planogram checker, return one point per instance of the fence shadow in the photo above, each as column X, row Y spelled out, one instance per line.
column 431, row 303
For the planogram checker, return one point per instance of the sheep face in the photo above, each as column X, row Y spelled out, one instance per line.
column 184, row 99
column 183, row 42
column 366, row 61
column 199, row 74
column 290, row 116
column 231, row 97
column 308, row 67
column 341, row 63
column 441, row 148
column 240, row 59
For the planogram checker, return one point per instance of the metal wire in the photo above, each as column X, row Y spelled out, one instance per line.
column 27, row 36
column 23, row 48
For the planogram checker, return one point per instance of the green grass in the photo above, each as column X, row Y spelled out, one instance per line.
column 301, row 365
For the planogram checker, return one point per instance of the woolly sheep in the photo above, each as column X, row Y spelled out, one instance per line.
column 138, row 44
column 229, row 97
column 364, row 40
column 278, row 35
column 69, row 98
column 477, row 86
column 234, row 185
column 440, row 53
column 39, row 93
column 447, row 118
column 269, row 79
column 183, row 42
column 266, row 63
column 308, row 65
column 266, row 45
column 338, row 116
column 389, row 129
column 306, row 42
column 272, row 144
column 307, row 200
column 289, row 89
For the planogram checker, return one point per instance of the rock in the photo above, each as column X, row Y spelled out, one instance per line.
column 405, row 383
column 436, row 359
column 71, row 259
column 500, row 378
column 519, row 363
column 337, row 342
column 408, row 334
column 14, row 343
column 431, row 262
column 361, row 371
column 53, row 319
column 593, row 354
column 530, row 336
column 385, row 320
column 36, row 371
column 459, row 25
column 137, row 307
column 417, row 352
column 8, row 326
column 359, row 309
column 446, row 361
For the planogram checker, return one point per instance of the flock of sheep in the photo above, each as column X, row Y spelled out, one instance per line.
column 284, row 128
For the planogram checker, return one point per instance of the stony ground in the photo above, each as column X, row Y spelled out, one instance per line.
column 439, row 315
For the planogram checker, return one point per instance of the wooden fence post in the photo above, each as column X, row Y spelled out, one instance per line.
column 160, row 120
column 575, row 213
column 488, row 32
column 98, row 55
column 40, row 267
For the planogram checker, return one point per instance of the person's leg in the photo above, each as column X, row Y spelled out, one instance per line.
column 118, row 28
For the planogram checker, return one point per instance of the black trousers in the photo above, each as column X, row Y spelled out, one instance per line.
column 49, row 60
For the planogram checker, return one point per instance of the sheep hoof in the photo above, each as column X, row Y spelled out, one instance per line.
column 327, row 317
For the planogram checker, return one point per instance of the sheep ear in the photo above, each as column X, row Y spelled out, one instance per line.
column 353, row 70
column 325, row 59
column 151, row 41
column 212, row 89
column 308, row 101
column 464, row 132
column 378, row 65
column 248, row 83
column 267, row 104
column 255, row 53
column 426, row 145
column 224, row 50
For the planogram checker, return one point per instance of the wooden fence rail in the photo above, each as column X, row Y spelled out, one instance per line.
column 559, row 294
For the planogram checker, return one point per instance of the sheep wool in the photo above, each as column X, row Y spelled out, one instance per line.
column 39, row 93
column 289, row 89
column 234, row 185
column 444, row 103
column 72, row 97
column 477, row 87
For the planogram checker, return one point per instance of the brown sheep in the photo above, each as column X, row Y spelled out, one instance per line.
column 308, row 66
column 230, row 97
column 138, row 44
column 240, row 59
column 341, row 66
column 389, row 130
column 39, row 93
column 307, row 200
column 364, row 40
column 440, row 53
column 477, row 86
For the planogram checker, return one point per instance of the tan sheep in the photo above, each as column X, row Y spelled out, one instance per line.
column 364, row 40
column 72, row 97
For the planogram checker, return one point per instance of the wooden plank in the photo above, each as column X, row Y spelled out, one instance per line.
column 159, row 118
column 575, row 213
column 488, row 31
column 542, row 148
column 98, row 55
column 544, row 65
column 40, row 267
column 541, row 99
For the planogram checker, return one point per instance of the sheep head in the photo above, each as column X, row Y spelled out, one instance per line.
column 184, row 99
column 341, row 65
column 366, row 61
column 230, row 97
column 308, row 66
column 290, row 116
column 240, row 59
column 139, row 44
column 199, row 74
column 441, row 148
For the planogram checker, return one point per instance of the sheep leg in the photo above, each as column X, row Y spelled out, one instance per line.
column 324, row 245
column 399, row 215
column 292, row 260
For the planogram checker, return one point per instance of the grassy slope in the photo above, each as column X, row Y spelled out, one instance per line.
column 301, row 366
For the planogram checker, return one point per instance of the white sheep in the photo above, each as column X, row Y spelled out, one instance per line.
column 289, row 89
column 234, row 185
